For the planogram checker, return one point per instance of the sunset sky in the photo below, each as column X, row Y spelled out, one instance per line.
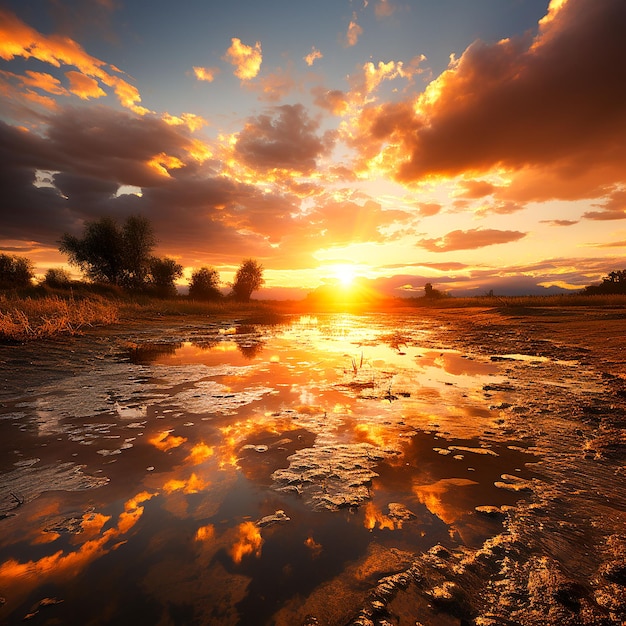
column 475, row 144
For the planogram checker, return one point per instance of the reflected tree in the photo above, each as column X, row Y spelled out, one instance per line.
column 250, row 350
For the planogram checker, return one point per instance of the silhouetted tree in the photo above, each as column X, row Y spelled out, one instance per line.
column 614, row 282
column 249, row 278
column 431, row 293
column 162, row 275
column 138, row 240
column 108, row 253
column 57, row 277
column 205, row 284
column 15, row 272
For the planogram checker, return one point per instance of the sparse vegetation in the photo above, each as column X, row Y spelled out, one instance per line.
column 22, row 319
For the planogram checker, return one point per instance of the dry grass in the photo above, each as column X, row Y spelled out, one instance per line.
column 153, row 307
column 562, row 300
column 22, row 319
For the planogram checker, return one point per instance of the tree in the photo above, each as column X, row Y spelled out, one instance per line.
column 204, row 284
column 614, row 282
column 15, row 272
column 138, row 240
column 57, row 277
column 162, row 275
column 430, row 293
column 108, row 253
column 249, row 278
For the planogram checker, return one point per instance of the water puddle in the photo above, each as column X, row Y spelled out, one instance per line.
column 250, row 474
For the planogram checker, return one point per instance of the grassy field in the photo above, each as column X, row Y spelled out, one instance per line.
column 39, row 313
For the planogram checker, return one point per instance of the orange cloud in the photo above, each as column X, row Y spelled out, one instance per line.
column 192, row 121
column 45, row 82
column 164, row 441
column 207, row 74
column 427, row 209
column 162, row 163
column 353, row 33
column 45, row 101
column 249, row 541
column 67, row 565
column 547, row 109
column 470, row 239
column 613, row 209
column 474, row 189
column 205, row 534
column 200, row 453
column 17, row 39
column 313, row 56
column 374, row 517
column 246, row 59
column 335, row 101
column 276, row 86
column 83, row 86
column 384, row 8
column 193, row 484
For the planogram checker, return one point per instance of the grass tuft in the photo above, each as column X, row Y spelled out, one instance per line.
column 23, row 319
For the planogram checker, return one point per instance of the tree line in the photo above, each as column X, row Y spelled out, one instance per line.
column 121, row 255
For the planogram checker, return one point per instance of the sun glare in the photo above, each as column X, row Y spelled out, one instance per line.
column 345, row 275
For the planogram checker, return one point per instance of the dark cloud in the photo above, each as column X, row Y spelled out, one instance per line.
column 470, row 239
column 93, row 153
column 287, row 139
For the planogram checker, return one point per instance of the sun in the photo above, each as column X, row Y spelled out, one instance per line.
column 345, row 275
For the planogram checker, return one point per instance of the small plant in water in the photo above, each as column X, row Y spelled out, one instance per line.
column 355, row 367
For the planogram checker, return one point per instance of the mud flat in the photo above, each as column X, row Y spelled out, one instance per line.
column 429, row 467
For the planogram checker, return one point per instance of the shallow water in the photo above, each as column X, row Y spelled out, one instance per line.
column 273, row 474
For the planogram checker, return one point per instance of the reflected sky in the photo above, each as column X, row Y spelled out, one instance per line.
column 366, row 439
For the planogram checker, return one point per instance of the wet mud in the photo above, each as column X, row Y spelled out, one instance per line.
column 434, row 468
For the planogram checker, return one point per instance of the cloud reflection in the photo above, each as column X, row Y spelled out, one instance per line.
column 248, row 542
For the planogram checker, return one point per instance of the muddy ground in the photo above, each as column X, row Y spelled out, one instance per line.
column 430, row 467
